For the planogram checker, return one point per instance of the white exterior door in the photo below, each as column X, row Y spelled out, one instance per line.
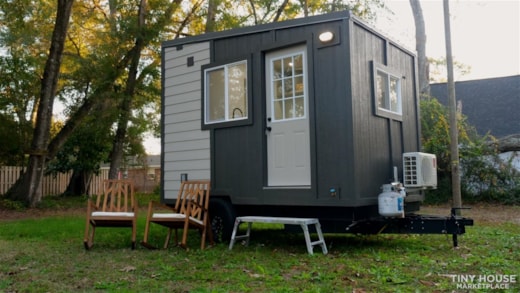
column 288, row 142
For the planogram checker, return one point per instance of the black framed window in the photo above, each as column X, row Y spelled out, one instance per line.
column 226, row 93
column 387, row 92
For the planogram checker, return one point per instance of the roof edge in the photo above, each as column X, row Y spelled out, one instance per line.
column 327, row 17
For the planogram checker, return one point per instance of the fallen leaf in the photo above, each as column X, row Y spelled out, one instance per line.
column 428, row 283
column 246, row 271
column 466, row 256
column 128, row 269
column 255, row 275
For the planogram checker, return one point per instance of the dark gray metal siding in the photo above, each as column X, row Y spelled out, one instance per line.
column 379, row 141
column 351, row 149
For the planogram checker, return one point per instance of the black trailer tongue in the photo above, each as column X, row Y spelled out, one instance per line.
column 414, row 224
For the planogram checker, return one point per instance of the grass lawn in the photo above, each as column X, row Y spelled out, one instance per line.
column 45, row 254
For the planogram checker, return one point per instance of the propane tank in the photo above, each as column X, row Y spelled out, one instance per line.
column 391, row 203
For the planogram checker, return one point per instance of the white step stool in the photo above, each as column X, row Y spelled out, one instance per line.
column 303, row 222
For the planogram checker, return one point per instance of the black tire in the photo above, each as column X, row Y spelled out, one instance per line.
column 222, row 216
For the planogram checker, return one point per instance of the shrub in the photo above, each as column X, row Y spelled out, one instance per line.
column 484, row 175
column 488, row 177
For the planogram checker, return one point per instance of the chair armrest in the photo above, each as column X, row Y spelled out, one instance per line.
column 157, row 205
column 154, row 205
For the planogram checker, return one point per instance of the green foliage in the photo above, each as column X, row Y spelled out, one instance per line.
column 25, row 28
column 58, row 202
column 12, row 205
column 157, row 190
column 435, row 131
column 438, row 69
column 487, row 177
column 484, row 176
column 435, row 137
column 144, row 198
column 268, row 11
column 12, row 150
column 85, row 149
column 443, row 193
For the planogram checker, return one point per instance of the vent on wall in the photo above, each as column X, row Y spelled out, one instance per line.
column 419, row 170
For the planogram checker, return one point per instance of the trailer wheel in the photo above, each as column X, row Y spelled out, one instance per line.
column 222, row 216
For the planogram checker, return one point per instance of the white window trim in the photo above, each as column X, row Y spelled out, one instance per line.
column 226, row 94
column 383, row 112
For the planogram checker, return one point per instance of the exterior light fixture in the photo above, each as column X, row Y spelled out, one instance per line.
column 326, row 37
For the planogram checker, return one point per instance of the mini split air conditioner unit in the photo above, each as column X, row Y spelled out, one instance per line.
column 419, row 170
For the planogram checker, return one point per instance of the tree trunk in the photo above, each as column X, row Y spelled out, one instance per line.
column 116, row 156
column 305, row 6
column 28, row 188
column 420, row 46
column 454, row 140
column 78, row 183
column 510, row 143
column 280, row 10
column 212, row 14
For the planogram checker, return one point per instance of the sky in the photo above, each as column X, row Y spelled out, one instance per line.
column 485, row 34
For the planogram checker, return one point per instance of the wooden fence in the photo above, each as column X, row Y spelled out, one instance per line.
column 51, row 185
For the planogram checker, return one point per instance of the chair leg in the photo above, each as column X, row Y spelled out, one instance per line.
column 210, row 235
column 145, row 237
column 134, row 233
column 147, row 229
column 85, row 238
column 203, row 238
column 89, row 238
column 176, row 236
column 167, row 240
column 185, row 234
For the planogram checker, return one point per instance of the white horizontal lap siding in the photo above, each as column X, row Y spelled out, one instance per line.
column 186, row 146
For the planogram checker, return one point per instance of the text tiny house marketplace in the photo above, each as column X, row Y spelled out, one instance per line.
column 484, row 281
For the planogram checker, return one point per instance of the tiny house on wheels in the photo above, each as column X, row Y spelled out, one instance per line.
column 303, row 118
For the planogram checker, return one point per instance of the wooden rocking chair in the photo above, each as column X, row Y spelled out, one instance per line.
column 116, row 207
column 190, row 212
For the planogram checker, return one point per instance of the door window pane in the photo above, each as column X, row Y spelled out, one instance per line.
column 298, row 64
column 288, row 83
column 289, row 111
column 299, row 107
column 287, row 67
column 298, row 85
column 288, row 87
column 278, row 90
column 277, row 69
column 278, row 110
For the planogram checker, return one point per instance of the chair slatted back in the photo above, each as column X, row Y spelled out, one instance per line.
column 195, row 191
column 118, row 196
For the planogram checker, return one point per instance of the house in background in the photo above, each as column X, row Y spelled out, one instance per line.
column 144, row 172
column 491, row 105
